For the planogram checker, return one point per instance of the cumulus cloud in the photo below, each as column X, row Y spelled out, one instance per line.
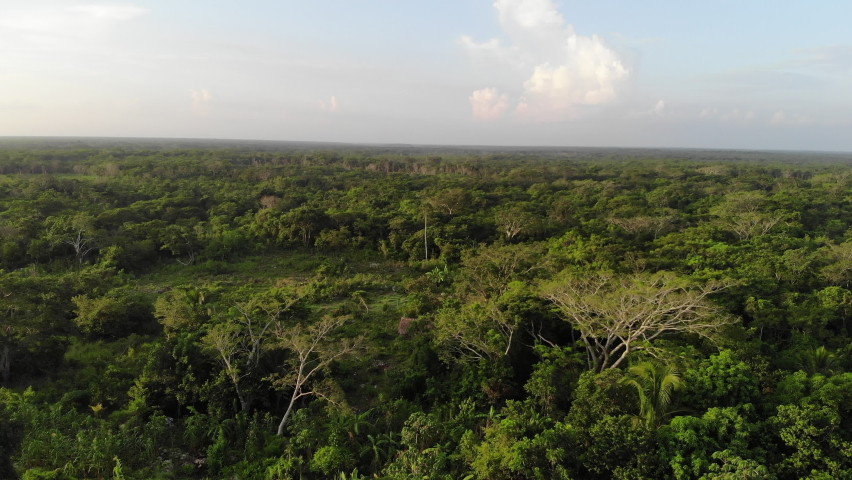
column 201, row 101
column 488, row 104
column 331, row 106
column 782, row 118
column 565, row 70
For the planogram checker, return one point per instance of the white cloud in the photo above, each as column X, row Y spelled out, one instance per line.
column 566, row 70
column 201, row 101
column 782, row 118
column 109, row 11
column 331, row 106
column 492, row 47
column 488, row 105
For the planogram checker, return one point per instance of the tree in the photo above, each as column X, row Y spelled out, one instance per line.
column 617, row 315
column 493, row 294
column 656, row 384
column 487, row 271
column 81, row 245
column 643, row 224
column 838, row 271
column 312, row 351
column 721, row 381
column 32, row 312
column 242, row 339
column 719, row 444
column 181, row 308
column 182, row 240
column 304, row 222
column 522, row 445
column 75, row 231
column 117, row 314
column 450, row 200
column 745, row 214
column 819, row 361
column 514, row 221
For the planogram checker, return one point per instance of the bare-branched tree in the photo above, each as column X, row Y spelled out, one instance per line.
column 747, row 214
column 81, row 245
column 312, row 351
column 618, row 315
column 240, row 342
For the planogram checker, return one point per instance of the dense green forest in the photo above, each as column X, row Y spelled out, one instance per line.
column 222, row 313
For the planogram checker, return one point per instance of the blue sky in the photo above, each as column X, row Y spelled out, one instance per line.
column 723, row 74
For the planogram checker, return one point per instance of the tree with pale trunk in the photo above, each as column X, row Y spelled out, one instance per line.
column 450, row 201
column 491, row 284
column 515, row 221
column 747, row 214
column 242, row 340
column 312, row 350
column 618, row 315
column 75, row 231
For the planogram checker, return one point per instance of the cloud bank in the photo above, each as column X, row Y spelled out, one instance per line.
column 566, row 70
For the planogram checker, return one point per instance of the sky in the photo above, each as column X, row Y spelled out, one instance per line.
column 748, row 74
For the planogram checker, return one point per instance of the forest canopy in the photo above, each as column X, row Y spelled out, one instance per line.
column 312, row 314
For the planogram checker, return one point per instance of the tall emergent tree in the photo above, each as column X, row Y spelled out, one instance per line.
column 617, row 315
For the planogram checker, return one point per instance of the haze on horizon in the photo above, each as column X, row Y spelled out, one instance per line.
column 729, row 74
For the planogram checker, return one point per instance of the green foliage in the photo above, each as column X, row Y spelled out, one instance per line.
column 522, row 444
column 162, row 315
column 721, row 381
column 690, row 446
column 331, row 458
column 118, row 313
column 600, row 395
column 553, row 378
column 656, row 385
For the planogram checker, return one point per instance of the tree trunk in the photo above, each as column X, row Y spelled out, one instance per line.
column 245, row 403
column 287, row 413
column 5, row 364
column 425, row 239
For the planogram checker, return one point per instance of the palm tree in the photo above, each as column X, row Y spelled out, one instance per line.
column 656, row 384
column 818, row 360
